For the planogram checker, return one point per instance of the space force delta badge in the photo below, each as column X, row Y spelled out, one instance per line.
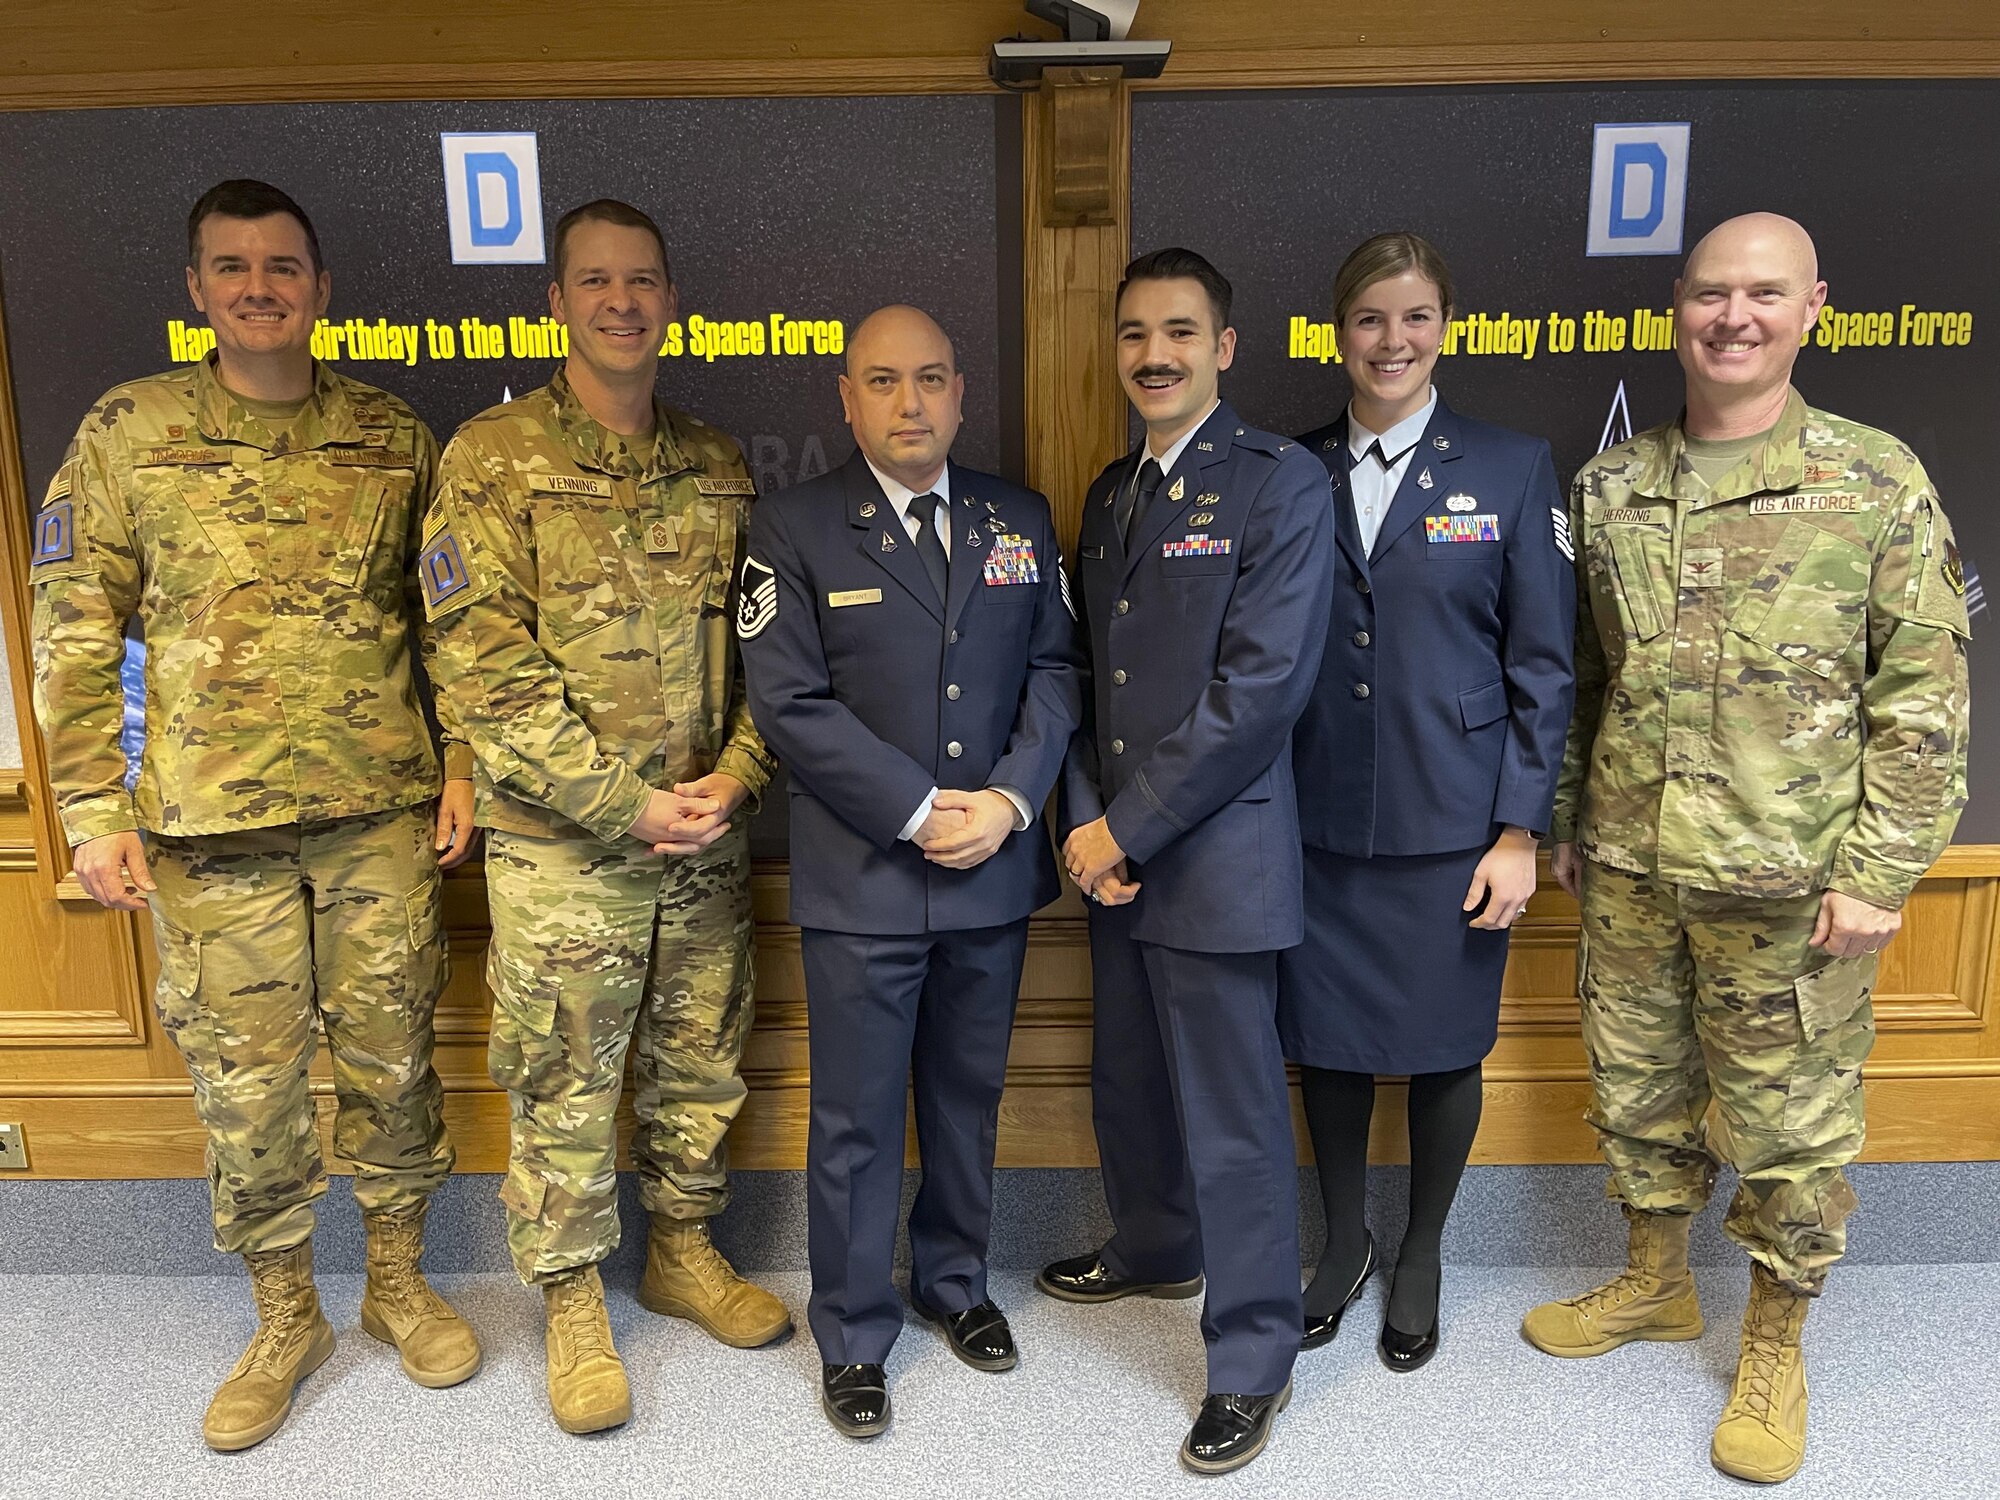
column 1462, row 528
column 757, row 600
column 1012, row 560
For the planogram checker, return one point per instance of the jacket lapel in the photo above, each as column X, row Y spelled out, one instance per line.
column 1346, row 530
column 1439, row 446
column 882, row 537
column 1183, row 486
column 968, row 539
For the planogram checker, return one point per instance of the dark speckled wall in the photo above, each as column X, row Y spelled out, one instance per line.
column 1898, row 183
column 812, row 207
column 816, row 208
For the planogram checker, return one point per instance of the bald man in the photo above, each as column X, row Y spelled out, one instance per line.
column 1767, row 754
column 913, row 659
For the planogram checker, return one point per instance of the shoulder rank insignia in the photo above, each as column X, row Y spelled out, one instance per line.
column 1953, row 567
column 757, row 604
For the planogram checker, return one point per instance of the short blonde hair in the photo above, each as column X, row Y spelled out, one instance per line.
column 1385, row 255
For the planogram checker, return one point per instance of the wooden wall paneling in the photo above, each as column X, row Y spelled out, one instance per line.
column 1076, row 153
column 57, row 53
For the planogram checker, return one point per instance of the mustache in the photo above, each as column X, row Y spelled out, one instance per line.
column 1145, row 372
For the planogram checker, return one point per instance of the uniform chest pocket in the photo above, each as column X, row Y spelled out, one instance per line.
column 371, row 556
column 1625, row 562
column 192, row 553
column 1463, row 551
column 1204, row 566
column 1005, row 595
column 584, row 583
column 1808, row 602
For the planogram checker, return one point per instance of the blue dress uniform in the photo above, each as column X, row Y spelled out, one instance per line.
column 1204, row 641
column 874, row 691
column 1438, row 718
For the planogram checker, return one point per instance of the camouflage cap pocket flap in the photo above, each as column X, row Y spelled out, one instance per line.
column 1831, row 993
column 525, row 997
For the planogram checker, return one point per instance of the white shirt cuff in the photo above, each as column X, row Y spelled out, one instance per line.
column 917, row 818
column 1023, row 814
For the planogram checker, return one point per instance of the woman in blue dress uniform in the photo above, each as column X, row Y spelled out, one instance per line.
column 1426, row 767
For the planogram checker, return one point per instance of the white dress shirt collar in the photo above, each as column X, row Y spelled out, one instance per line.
column 900, row 495
column 1397, row 441
column 1172, row 456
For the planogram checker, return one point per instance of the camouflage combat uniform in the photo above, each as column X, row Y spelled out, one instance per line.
column 1771, row 702
column 288, row 775
column 579, row 587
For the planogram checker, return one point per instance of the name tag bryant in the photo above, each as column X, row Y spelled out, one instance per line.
column 569, row 484
column 55, row 534
column 1012, row 560
column 1198, row 545
column 1784, row 505
column 442, row 569
column 846, row 598
column 1484, row 528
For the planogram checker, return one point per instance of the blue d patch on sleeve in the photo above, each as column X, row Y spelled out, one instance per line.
column 55, row 534
column 442, row 570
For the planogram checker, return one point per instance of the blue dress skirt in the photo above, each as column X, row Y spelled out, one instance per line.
column 1391, row 977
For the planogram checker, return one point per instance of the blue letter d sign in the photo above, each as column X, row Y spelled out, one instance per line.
column 1632, row 162
column 483, row 164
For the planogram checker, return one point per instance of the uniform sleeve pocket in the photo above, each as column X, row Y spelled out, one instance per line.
column 1830, row 994
column 1482, row 705
column 1808, row 603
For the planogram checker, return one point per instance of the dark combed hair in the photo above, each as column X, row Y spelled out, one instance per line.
column 605, row 211
column 1175, row 264
column 246, row 198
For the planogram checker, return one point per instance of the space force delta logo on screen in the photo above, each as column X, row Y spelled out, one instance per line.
column 493, row 197
column 1638, row 189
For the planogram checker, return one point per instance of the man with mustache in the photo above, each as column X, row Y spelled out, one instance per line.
column 1768, row 752
column 577, row 565
column 912, row 656
column 1204, row 575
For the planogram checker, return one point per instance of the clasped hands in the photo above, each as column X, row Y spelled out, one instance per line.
column 963, row 829
column 691, row 815
column 1097, row 865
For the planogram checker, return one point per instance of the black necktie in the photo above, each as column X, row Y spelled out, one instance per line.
column 923, row 510
column 1136, row 500
column 1382, row 455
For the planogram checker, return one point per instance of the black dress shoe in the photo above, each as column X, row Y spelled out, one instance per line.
column 1231, row 1430
column 1085, row 1278
column 1404, row 1352
column 979, row 1335
column 855, row 1399
column 1321, row 1329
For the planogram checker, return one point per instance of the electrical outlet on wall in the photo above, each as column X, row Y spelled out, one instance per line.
column 13, row 1148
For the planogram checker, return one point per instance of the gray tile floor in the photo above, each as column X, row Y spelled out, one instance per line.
column 103, row 1380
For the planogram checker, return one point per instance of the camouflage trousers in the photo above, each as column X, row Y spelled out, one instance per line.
column 1692, row 995
column 266, row 938
column 596, row 950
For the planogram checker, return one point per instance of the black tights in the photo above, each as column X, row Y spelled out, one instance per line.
column 1444, row 1117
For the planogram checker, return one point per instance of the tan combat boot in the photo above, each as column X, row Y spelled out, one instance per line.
column 293, row 1339
column 1652, row 1298
column 588, row 1391
column 399, row 1307
column 1762, row 1434
column 687, row 1277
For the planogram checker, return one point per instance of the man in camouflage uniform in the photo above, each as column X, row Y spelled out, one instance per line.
column 577, row 567
column 1768, row 753
column 258, row 514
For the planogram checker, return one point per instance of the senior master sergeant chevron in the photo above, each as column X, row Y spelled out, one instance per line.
column 577, row 564
column 1767, row 754
column 258, row 514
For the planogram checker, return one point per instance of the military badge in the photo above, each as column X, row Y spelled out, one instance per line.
column 1953, row 567
column 1195, row 544
column 55, row 535
column 1462, row 528
column 1202, row 518
column 1012, row 560
column 661, row 536
column 1460, row 501
column 441, row 570
column 1177, row 489
column 757, row 602
column 888, row 542
column 1424, row 480
column 1441, row 443
column 867, row 510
